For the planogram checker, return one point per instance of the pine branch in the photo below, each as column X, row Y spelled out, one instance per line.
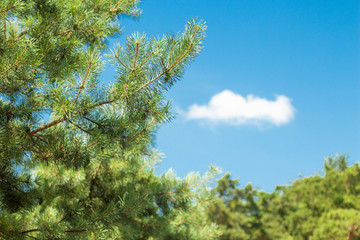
column 171, row 52
column 90, row 120
column 84, row 81
column 186, row 219
column 101, row 103
column 30, row 236
column 15, row 40
column 29, row 231
column 98, row 4
column 168, row 69
column 16, row 62
column 136, row 54
column 76, row 231
column 69, row 49
column 46, row 126
column 137, row 205
column 117, row 58
column 79, row 127
column 68, row 80
column 182, row 57
column 92, row 144
column 37, row 230
column 206, row 180
column 352, row 230
column 114, row 8
column 6, row 10
column 152, row 80
column 145, row 129
column 84, row 17
column 48, row 27
column 144, row 110
column 73, row 123
column 146, row 60
column 41, row 139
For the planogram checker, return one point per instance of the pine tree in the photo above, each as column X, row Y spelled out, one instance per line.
column 76, row 156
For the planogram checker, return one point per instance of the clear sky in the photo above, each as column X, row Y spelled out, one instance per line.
column 299, row 61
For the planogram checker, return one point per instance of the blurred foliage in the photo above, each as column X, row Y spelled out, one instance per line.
column 311, row 208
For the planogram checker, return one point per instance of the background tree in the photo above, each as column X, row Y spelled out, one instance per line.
column 76, row 155
column 312, row 208
column 244, row 214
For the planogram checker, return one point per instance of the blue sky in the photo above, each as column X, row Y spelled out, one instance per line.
column 306, row 51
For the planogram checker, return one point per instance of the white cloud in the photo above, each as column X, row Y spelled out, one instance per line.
column 231, row 108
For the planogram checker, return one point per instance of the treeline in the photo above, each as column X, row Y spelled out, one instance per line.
column 312, row 208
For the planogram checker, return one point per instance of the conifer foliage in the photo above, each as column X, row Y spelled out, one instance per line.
column 76, row 160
